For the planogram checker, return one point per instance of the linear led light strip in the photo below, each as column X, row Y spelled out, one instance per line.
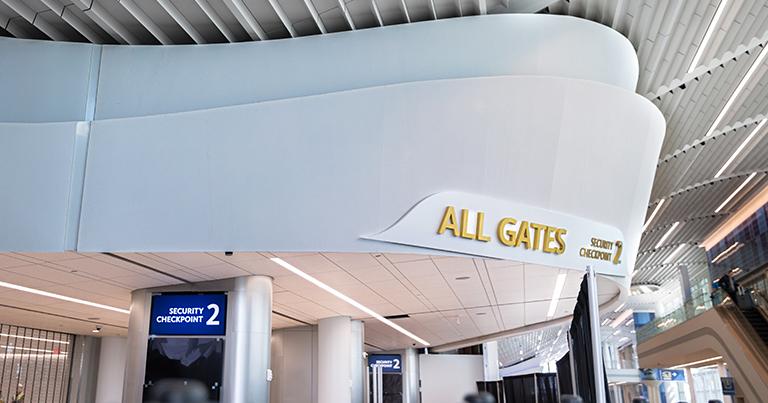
column 559, row 284
column 697, row 362
column 708, row 35
column 293, row 269
column 621, row 318
column 674, row 253
column 37, row 350
column 666, row 235
column 735, row 192
column 653, row 214
column 61, row 297
column 727, row 252
column 742, row 84
column 33, row 338
column 741, row 148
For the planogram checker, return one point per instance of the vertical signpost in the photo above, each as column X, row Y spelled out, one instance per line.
column 594, row 321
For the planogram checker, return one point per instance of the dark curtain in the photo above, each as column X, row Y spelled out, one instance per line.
column 493, row 387
column 564, row 375
column 583, row 359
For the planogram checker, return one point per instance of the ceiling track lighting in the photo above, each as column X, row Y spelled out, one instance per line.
column 557, row 292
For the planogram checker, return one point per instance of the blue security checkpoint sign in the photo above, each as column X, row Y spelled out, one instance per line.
column 188, row 315
column 391, row 363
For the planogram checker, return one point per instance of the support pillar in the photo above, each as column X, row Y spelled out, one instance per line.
column 249, row 334
column 112, row 355
column 491, row 361
column 247, row 343
column 685, row 283
column 339, row 367
column 411, row 376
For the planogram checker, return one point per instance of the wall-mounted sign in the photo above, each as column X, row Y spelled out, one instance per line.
column 387, row 362
column 659, row 374
column 188, row 315
column 484, row 226
column 729, row 386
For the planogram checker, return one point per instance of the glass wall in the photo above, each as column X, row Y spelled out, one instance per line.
column 34, row 365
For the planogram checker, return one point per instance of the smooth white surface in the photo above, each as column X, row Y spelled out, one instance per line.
column 35, row 182
column 491, row 361
column 294, row 365
column 334, row 369
column 447, row 378
column 109, row 382
column 222, row 179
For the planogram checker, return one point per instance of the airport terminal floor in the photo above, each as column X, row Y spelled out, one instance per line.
column 383, row 201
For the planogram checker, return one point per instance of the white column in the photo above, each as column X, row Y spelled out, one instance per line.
column 411, row 376
column 491, row 361
column 334, row 369
column 357, row 361
column 249, row 333
column 109, row 386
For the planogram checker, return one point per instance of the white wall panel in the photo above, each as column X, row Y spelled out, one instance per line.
column 35, row 181
column 42, row 81
column 447, row 378
column 147, row 80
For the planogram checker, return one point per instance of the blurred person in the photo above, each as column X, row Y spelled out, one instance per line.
column 482, row 397
column 178, row 391
column 570, row 399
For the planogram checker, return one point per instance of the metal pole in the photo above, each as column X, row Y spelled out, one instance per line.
column 574, row 387
column 594, row 319
column 380, row 381
column 375, row 381
column 368, row 384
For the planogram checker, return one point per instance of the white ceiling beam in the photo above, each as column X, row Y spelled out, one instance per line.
column 181, row 20
column 32, row 17
column 5, row 23
column 458, row 5
column 144, row 20
column 283, row 17
column 404, row 7
column 377, row 13
column 347, row 16
column 316, row 16
column 482, row 6
column 96, row 12
column 246, row 19
column 216, row 19
column 70, row 18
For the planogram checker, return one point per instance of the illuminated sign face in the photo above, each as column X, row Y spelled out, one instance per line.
column 509, row 231
column 188, row 314
column 479, row 225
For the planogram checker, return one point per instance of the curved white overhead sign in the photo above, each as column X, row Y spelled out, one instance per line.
column 485, row 226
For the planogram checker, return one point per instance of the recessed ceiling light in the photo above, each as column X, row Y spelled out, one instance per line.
column 742, row 84
column 713, row 25
column 741, row 148
column 653, row 214
column 735, row 192
column 33, row 338
column 61, row 297
column 667, row 234
column 293, row 269
column 559, row 285
column 463, row 278
column 674, row 253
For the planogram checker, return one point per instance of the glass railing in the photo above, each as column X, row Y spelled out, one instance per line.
column 695, row 306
